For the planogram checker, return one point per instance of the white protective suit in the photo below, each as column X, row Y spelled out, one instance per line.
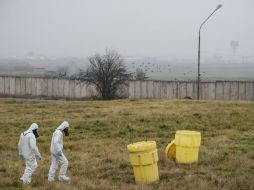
column 57, row 154
column 27, row 151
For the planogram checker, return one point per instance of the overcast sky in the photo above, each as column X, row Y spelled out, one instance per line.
column 154, row 28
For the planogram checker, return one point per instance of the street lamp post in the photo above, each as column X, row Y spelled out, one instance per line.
column 217, row 8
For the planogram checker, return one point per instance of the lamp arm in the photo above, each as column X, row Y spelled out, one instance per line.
column 207, row 19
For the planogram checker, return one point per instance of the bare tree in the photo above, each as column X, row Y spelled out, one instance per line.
column 107, row 73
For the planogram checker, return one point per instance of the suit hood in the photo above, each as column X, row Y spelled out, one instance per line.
column 64, row 125
column 31, row 128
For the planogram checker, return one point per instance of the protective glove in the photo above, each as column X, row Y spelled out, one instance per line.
column 21, row 157
column 39, row 157
column 60, row 153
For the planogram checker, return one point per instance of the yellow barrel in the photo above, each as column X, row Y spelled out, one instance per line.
column 143, row 158
column 170, row 151
column 187, row 146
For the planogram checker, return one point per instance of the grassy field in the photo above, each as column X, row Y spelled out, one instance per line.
column 101, row 130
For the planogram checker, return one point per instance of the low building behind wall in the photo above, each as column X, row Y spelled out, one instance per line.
column 54, row 88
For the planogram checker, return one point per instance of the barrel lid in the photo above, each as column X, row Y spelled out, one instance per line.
column 141, row 146
column 170, row 151
column 186, row 132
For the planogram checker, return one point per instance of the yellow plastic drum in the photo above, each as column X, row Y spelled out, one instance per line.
column 187, row 146
column 143, row 158
column 170, row 151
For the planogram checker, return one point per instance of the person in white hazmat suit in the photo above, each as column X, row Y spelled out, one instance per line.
column 57, row 154
column 28, row 150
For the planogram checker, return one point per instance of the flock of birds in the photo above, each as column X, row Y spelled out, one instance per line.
column 149, row 67
column 156, row 69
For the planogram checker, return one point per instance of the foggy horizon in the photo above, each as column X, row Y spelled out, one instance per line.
column 166, row 29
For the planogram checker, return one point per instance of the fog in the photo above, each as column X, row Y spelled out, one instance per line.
column 154, row 28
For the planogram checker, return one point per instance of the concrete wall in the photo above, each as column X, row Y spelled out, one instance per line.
column 217, row 90
column 53, row 88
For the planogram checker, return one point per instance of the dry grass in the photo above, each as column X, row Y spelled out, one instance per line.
column 101, row 130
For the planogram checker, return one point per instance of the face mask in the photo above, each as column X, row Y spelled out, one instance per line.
column 35, row 133
column 66, row 131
